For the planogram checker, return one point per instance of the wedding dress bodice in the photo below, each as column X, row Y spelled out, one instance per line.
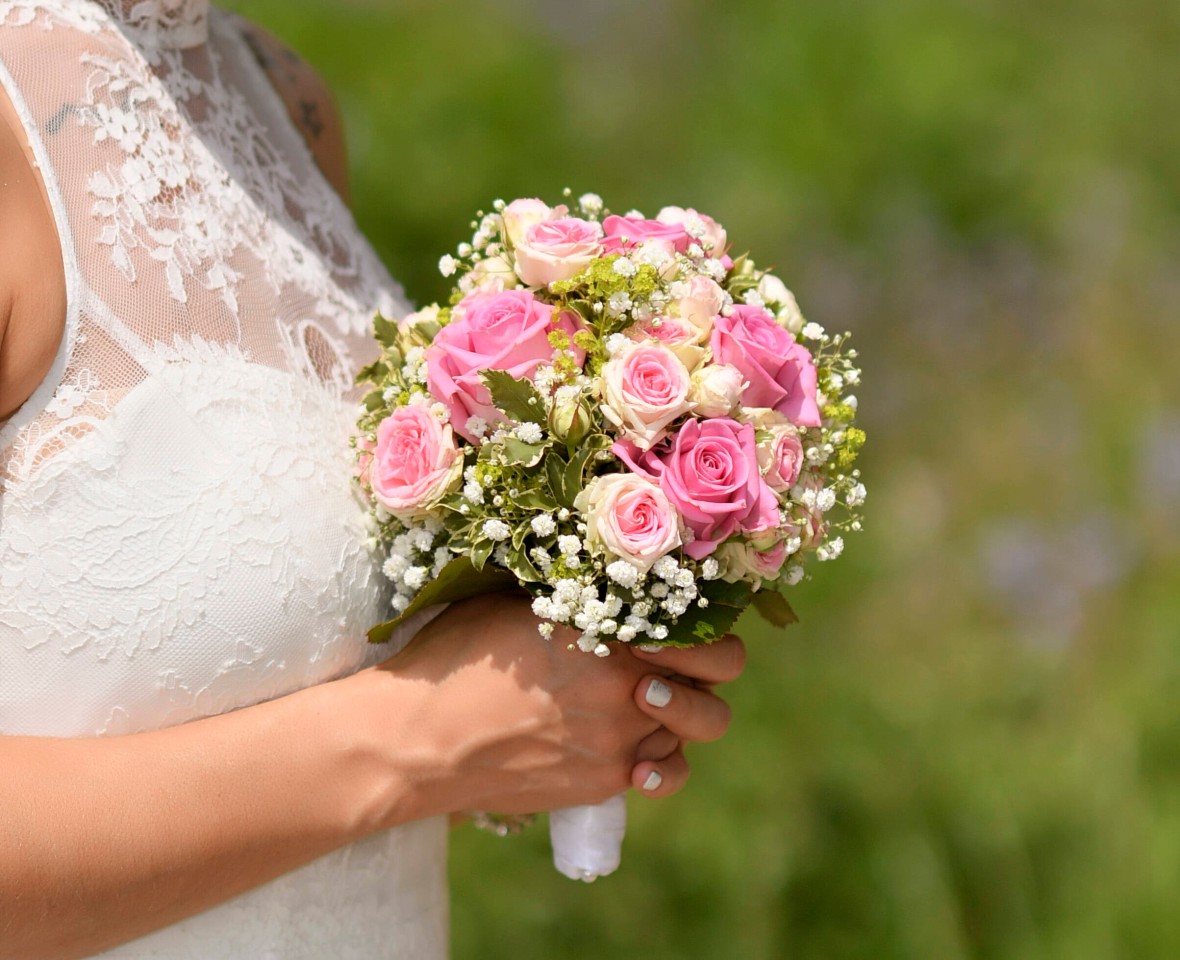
column 179, row 536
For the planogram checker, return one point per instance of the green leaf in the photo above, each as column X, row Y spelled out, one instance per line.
column 536, row 500
column 727, row 601
column 523, row 568
column 385, row 331
column 517, row 399
column 517, row 453
column 555, row 467
column 774, row 607
column 480, row 553
column 574, row 477
column 457, row 581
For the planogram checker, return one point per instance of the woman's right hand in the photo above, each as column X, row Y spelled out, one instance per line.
column 504, row 720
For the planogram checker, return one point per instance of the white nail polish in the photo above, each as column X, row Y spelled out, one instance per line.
column 653, row 781
column 651, row 647
column 659, row 694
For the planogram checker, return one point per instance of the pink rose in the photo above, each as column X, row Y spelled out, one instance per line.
column 676, row 334
column 709, row 233
column 416, row 462
column 624, row 233
column 781, row 458
column 645, row 388
column 744, row 561
column 519, row 215
column 553, row 250
column 780, row 372
column 630, row 517
column 709, row 470
column 506, row 330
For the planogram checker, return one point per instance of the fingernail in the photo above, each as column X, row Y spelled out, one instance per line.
column 659, row 694
column 653, row 781
column 650, row 647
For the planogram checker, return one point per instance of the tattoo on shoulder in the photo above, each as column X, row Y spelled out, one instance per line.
column 309, row 115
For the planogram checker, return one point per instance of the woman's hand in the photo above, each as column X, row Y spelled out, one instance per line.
column 517, row 723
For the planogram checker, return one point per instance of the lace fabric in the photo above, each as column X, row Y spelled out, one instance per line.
column 179, row 536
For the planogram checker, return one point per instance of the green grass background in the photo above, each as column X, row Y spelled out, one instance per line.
column 970, row 747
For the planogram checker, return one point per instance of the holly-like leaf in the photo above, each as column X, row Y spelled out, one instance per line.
column 517, row 399
column 775, row 608
column 517, row 453
column 385, row 331
column 458, row 580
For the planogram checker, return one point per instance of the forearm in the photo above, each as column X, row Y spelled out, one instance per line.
column 103, row 840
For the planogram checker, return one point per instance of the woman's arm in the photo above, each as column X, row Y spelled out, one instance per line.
column 103, row 840
column 308, row 100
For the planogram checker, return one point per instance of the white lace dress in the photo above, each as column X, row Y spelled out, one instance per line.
column 178, row 534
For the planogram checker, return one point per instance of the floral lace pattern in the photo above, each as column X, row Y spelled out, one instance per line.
column 179, row 534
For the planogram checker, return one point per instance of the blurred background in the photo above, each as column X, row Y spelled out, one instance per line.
column 970, row 746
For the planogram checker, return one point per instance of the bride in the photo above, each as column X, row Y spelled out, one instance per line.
column 201, row 756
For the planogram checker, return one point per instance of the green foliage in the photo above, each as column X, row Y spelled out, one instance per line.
column 518, row 399
column 774, row 608
column 458, row 580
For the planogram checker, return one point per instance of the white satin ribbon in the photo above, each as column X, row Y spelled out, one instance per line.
column 588, row 840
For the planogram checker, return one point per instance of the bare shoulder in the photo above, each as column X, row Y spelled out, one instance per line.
column 308, row 100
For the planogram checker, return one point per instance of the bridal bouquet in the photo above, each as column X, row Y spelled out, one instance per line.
column 613, row 414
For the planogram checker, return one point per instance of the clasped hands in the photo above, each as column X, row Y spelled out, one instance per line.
column 523, row 724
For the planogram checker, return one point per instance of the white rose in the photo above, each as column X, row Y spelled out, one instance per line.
column 493, row 274
column 716, row 388
column 629, row 517
column 776, row 295
column 644, row 388
column 699, row 300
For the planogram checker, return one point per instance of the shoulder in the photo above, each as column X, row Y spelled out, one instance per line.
column 308, row 100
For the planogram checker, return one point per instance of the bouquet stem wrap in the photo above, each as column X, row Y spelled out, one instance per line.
column 588, row 840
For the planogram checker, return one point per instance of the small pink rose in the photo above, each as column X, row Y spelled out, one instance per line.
column 625, row 233
column 506, row 330
column 707, row 231
column 781, row 458
column 709, row 470
column 645, row 388
column 416, row 462
column 631, row 518
column 678, row 335
column 780, row 372
column 521, row 214
column 553, row 250
column 744, row 561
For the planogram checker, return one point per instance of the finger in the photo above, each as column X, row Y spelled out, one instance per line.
column 717, row 662
column 658, row 745
column 661, row 778
column 691, row 714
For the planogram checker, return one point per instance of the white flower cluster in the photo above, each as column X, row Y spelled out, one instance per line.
column 414, row 557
